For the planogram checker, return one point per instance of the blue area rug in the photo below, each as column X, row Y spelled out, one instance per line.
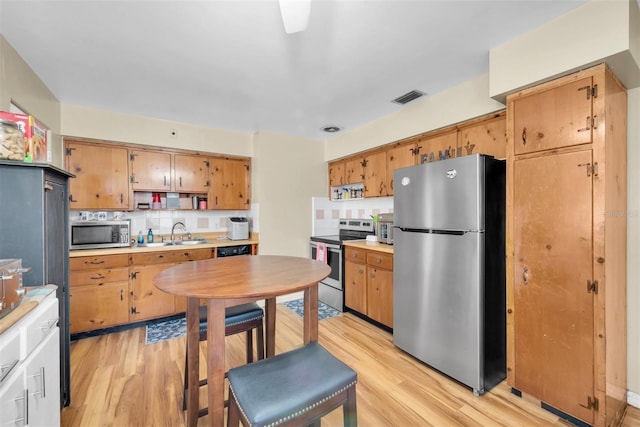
column 169, row 329
column 176, row 328
column 324, row 311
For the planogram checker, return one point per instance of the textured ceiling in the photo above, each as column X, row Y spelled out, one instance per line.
column 229, row 64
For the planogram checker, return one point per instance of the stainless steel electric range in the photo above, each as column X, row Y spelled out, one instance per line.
column 331, row 289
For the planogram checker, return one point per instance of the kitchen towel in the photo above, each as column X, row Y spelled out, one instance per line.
column 321, row 252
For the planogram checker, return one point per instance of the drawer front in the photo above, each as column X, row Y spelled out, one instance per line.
column 149, row 258
column 105, row 261
column 37, row 328
column 380, row 260
column 355, row 255
column 10, row 354
column 98, row 277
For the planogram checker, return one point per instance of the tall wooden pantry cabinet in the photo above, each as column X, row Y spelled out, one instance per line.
column 34, row 226
column 566, row 245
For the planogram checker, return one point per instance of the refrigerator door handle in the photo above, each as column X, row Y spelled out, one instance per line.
column 436, row 231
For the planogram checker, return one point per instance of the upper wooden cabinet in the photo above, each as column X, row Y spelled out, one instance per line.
column 164, row 171
column 150, row 170
column 484, row 137
column 336, row 173
column 354, row 170
column 230, row 183
column 191, row 173
column 439, row 146
column 401, row 155
column 101, row 175
column 375, row 174
column 557, row 117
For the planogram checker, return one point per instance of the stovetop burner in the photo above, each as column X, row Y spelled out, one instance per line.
column 350, row 229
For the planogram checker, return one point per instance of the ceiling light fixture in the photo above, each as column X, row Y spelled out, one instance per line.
column 331, row 128
column 295, row 15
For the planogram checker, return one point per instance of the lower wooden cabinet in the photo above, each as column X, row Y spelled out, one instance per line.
column 147, row 301
column 98, row 292
column 368, row 284
column 113, row 290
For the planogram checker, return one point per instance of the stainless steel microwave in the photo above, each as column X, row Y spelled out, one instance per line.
column 100, row 234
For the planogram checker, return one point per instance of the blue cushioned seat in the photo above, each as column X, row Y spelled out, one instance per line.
column 239, row 318
column 297, row 388
column 234, row 316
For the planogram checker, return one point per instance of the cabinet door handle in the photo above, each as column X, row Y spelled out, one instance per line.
column 587, row 127
column 524, row 136
column 98, row 277
column 121, row 295
column 525, row 276
column 5, row 369
column 25, row 408
column 42, row 392
column 71, row 200
column 94, row 262
column 164, row 180
column 180, row 180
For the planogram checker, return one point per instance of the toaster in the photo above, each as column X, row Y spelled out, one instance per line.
column 238, row 228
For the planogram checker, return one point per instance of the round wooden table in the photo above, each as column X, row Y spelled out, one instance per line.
column 230, row 281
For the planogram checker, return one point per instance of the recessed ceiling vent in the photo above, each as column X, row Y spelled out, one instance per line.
column 408, row 97
column 331, row 128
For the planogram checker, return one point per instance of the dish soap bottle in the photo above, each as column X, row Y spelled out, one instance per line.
column 140, row 238
column 150, row 236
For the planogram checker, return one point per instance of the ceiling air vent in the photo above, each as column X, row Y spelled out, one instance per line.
column 408, row 97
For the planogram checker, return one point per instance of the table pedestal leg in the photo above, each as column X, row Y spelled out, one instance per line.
column 270, row 325
column 311, row 314
column 193, row 360
column 215, row 360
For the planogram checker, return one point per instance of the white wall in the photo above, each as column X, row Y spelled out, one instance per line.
column 287, row 172
column 465, row 101
column 100, row 124
column 598, row 31
column 20, row 85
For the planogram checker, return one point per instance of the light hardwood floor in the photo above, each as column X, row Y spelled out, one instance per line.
column 117, row 380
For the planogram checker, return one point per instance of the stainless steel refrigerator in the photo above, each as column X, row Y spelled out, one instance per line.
column 449, row 267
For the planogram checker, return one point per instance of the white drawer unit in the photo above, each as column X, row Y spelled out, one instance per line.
column 40, row 325
column 10, row 354
column 30, row 360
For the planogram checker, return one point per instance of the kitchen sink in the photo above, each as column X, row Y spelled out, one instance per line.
column 191, row 242
column 155, row 245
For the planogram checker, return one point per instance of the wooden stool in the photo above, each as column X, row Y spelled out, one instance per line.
column 239, row 318
column 294, row 388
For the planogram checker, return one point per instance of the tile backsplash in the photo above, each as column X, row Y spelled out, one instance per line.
column 196, row 221
column 326, row 213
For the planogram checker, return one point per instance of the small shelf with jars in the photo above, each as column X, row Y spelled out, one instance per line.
column 348, row 192
column 169, row 201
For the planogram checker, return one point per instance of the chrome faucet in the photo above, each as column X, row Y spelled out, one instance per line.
column 174, row 227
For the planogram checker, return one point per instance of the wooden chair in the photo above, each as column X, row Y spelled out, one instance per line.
column 240, row 318
column 295, row 388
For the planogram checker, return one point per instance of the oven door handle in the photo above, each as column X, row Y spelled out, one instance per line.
column 330, row 246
